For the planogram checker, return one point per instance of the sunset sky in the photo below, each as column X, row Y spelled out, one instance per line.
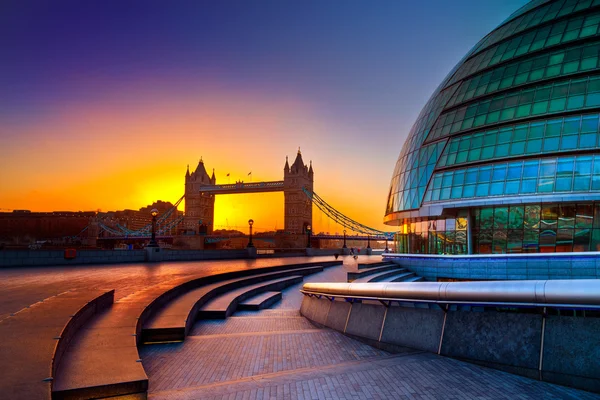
column 104, row 104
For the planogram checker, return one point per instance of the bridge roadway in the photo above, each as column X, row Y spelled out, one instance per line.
column 241, row 187
column 273, row 354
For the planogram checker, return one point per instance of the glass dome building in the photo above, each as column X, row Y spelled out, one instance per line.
column 505, row 156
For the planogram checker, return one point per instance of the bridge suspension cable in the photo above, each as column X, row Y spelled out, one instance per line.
column 342, row 219
column 162, row 224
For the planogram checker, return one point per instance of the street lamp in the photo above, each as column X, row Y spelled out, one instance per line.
column 250, row 222
column 308, row 232
column 386, row 246
column 153, row 243
column 344, row 246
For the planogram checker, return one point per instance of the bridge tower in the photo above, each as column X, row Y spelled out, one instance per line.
column 199, row 207
column 298, row 207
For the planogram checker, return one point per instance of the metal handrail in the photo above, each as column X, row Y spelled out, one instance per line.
column 575, row 293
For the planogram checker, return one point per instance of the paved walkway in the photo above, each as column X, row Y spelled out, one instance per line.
column 24, row 286
column 278, row 354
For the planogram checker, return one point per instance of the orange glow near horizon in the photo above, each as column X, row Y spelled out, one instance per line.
column 112, row 156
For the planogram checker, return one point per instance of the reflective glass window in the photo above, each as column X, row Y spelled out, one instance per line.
column 515, row 217
column 514, row 243
column 531, row 218
column 547, row 241
column 549, row 216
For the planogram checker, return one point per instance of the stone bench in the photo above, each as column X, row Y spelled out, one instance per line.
column 34, row 341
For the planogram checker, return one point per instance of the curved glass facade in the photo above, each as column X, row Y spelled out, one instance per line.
column 511, row 133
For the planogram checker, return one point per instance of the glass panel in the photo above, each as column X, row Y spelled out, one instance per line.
column 486, row 218
column 549, row 216
column 531, row 239
column 595, row 243
column 499, row 242
column 515, row 217
column 532, row 217
column 548, row 241
column 515, row 241
column 500, row 217
column 585, row 216
column 581, row 239
column 484, row 239
column 566, row 217
column 564, row 240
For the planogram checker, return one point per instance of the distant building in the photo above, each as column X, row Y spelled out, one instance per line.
column 23, row 227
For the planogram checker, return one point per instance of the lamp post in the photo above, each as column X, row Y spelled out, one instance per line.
column 153, row 243
column 344, row 246
column 308, row 232
column 250, row 222
column 368, row 241
column 386, row 246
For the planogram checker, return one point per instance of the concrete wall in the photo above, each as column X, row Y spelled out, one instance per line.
column 10, row 258
column 502, row 266
column 509, row 341
column 18, row 258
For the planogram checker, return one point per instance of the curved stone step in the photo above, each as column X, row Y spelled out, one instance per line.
column 415, row 278
column 352, row 276
column 258, row 302
column 223, row 306
column 174, row 320
column 373, row 264
column 103, row 359
column 34, row 341
column 386, row 276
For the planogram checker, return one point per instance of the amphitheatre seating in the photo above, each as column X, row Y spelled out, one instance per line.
column 372, row 264
column 372, row 270
column 223, row 306
column 258, row 302
column 34, row 341
column 103, row 359
column 174, row 321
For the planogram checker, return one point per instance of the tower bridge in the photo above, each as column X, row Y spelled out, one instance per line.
column 201, row 189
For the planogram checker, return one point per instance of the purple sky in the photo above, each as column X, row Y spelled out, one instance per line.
column 359, row 71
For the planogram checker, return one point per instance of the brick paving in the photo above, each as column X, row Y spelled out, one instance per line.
column 275, row 354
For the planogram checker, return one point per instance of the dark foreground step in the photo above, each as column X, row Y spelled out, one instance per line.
column 34, row 341
column 263, row 300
